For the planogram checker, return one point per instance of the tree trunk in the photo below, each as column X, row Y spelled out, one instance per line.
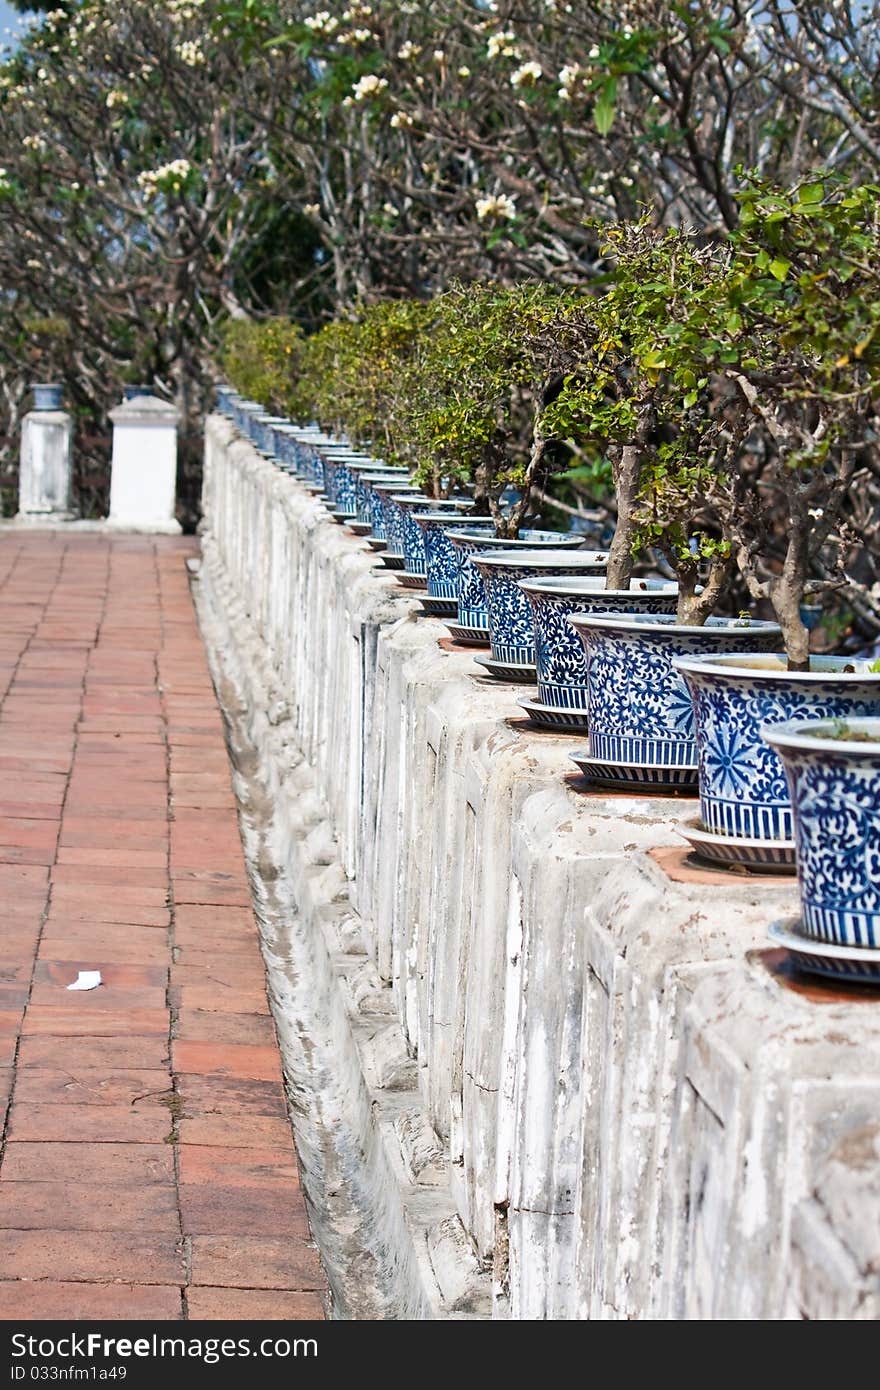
column 627, row 478
column 794, row 635
column 694, row 608
column 787, row 590
column 534, row 477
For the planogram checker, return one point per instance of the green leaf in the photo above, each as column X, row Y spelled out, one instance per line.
column 779, row 268
column 603, row 110
column 812, row 193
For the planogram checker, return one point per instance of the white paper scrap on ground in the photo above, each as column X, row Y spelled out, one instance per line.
column 86, row 979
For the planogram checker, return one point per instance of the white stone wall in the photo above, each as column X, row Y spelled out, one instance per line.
column 593, row 1094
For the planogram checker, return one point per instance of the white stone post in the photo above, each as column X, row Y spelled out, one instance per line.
column 144, row 472
column 44, row 485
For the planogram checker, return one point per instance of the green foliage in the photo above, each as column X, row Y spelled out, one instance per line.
column 262, row 359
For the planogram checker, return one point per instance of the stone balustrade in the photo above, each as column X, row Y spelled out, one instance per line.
column 560, row 1074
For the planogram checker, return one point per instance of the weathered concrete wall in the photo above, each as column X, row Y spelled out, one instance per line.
column 577, row 1087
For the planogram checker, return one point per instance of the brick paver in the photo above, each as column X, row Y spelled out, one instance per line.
column 147, row 1167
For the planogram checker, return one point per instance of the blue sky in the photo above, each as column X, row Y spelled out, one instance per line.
column 8, row 20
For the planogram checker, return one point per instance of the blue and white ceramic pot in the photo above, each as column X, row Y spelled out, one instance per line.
column 834, row 784
column 346, row 466
column 640, row 708
column 441, row 563
column 223, row 398
column 48, row 395
column 743, row 791
column 262, row 427
column 471, row 594
column 312, row 463
column 393, row 515
column 559, row 653
column 372, row 502
column 279, row 432
column 131, row 393
column 455, row 508
column 363, row 494
column 338, row 483
column 242, row 413
column 511, row 628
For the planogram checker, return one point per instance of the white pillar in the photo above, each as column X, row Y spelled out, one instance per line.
column 144, row 473
column 44, row 480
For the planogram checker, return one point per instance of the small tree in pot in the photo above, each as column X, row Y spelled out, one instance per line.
column 806, row 285
column 635, row 388
column 476, row 389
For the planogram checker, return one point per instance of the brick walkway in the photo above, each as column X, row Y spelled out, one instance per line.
column 147, row 1168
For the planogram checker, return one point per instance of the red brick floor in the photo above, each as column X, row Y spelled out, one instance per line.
column 147, row 1168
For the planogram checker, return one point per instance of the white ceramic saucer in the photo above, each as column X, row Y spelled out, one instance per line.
column 570, row 721
column 411, row 581
column 471, row 636
column 769, row 856
column 438, row 607
column 654, row 775
column 522, row 673
column 854, row 964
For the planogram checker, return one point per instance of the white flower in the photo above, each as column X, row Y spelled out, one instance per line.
column 408, row 50
column 116, row 98
column 464, row 71
column 34, row 142
column 526, row 76
column 312, row 209
column 34, row 265
column 168, row 178
column 321, row 23
column 368, row 86
column 390, row 209
column 190, row 53
column 401, row 121
column 594, row 51
column 361, row 35
column 439, row 56
column 502, row 45
column 496, row 205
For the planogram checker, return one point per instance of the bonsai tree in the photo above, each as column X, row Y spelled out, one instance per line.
column 635, row 389
column 806, row 284
column 734, row 390
column 787, row 341
column 476, row 388
column 260, row 359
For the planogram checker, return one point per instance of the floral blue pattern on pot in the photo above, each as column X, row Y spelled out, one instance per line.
column 511, row 628
column 471, row 593
column 366, row 501
column 640, row 709
column 835, row 792
column 415, row 557
column 559, row 653
column 393, row 515
column 441, row 563
column 743, row 790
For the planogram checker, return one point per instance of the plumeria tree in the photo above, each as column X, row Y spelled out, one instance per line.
column 735, row 391
column 482, row 138
column 133, row 184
